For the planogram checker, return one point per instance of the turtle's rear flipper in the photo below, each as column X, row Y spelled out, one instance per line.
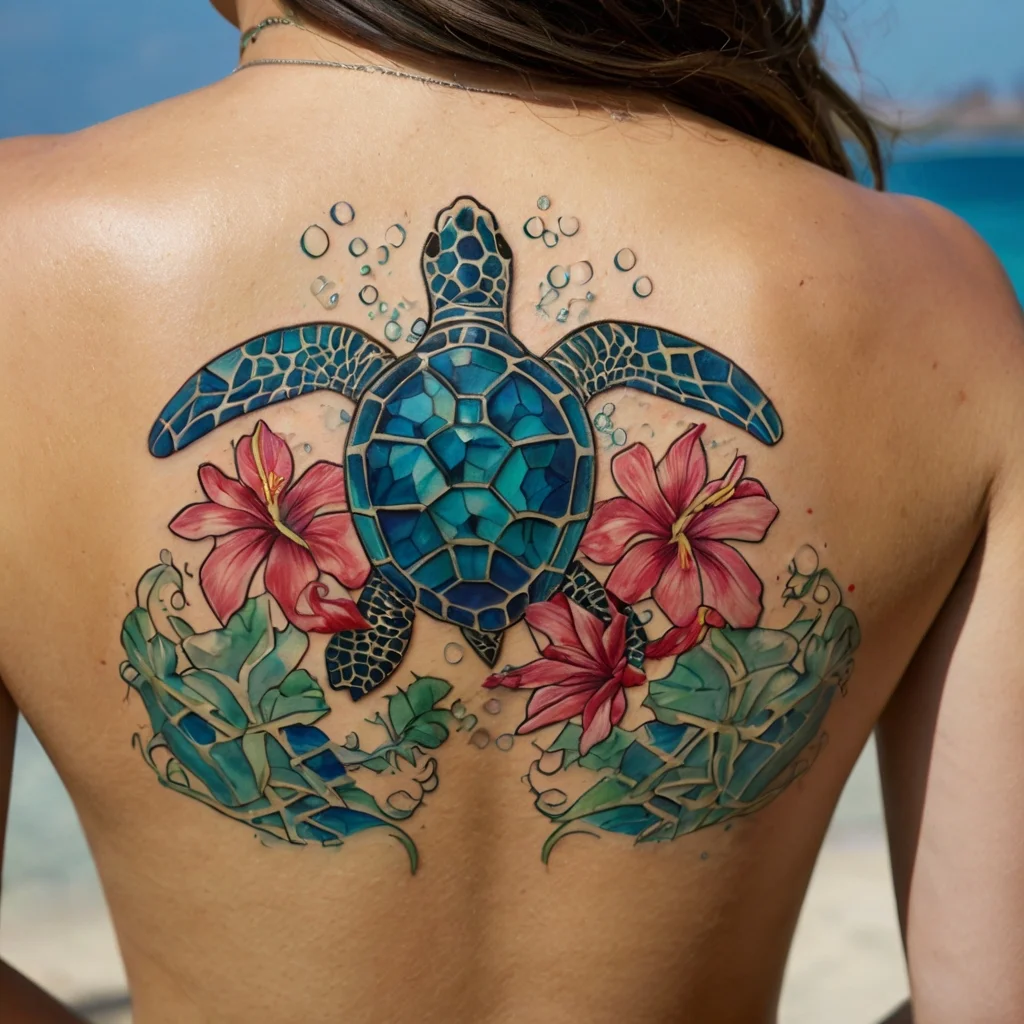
column 612, row 354
column 583, row 588
column 267, row 369
column 487, row 645
column 361, row 660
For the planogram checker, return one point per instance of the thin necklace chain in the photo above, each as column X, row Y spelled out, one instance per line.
column 251, row 35
column 375, row 69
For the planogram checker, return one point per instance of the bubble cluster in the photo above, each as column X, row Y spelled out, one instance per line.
column 615, row 437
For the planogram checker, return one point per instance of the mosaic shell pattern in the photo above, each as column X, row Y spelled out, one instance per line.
column 470, row 471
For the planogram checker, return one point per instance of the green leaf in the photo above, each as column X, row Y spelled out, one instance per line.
column 254, row 746
column 298, row 700
column 406, row 705
column 608, row 753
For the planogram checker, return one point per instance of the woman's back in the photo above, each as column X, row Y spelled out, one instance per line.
column 778, row 490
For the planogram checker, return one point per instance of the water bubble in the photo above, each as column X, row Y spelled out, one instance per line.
column 608, row 408
column 357, row 247
column 480, row 739
column 581, row 273
column 365, row 270
column 343, row 213
column 393, row 330
column 468, row 723
column 372, row 314
column 307, row 448
column 534, row 228
column 805, row 561
column 315, row 241
column 505, row 741
column 553, row 798
column 419, row 327
column 602, row 422
column 544, row 203
column 625, row 259
column 454, row 653
column 563, row 315
column 493, row 706
column 569, row 226
column 459, row 710
column 383, row 307
column 369, row 295
column 395, row 313
column 643, row 287
column 324, row 292
column 821, row 594
column 383, row 255
column 590, row 296
column 619, row 437
column 395, row 236
column 558, row 276
column 346, row 416
column 550, row 239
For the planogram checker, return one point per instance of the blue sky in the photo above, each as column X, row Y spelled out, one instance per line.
column 65, row 64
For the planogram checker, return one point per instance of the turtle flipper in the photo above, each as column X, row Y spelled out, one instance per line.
column 613, row 354
column 487, row 645
column 361, row 660
column 585, row 589
column 267, row 369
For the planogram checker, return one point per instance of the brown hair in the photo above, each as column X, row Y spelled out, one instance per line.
column 750, row 64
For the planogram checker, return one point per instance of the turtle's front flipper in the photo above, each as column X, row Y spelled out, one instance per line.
column 270, row 368
column 361, row 660
column 487, row 645
column 583, row 588
column 611, row 354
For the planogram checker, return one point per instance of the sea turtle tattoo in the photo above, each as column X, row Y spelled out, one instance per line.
column 470, row 463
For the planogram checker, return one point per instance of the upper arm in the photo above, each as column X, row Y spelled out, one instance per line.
column 950, row 742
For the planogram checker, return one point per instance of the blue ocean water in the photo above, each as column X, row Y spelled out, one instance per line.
column 983, row 183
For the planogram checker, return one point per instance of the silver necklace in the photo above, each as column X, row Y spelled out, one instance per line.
column 375, row 69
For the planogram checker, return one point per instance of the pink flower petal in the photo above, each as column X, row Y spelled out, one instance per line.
column 208, row 519
column 678, row 640
column 321, row 487
column 540, row 672
column 567, row 706
column 736, row 519
column 725, row 483
column 232, row 493
column 730, row 585
column 634, row 472
column 572, row 656
column 640, row 569
column 684, row 470
column 597, row 717
column 633, row 677
column 678, row 592
column 264, row 462
column 335, row 547
column 330, row 615
column 614, row 640
column 290, row 570
column 590, row 630
column 227, row 573
column 613, row 525
column 554, row 620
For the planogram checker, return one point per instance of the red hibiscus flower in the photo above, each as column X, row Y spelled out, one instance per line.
column 583, row 671
column 685, row 520
column 261, row 517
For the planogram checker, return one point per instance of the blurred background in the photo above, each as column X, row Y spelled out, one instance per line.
column 951, row 76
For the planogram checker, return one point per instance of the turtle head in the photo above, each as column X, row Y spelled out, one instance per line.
column 467, row 264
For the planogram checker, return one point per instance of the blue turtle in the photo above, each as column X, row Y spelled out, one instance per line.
column 470, row 462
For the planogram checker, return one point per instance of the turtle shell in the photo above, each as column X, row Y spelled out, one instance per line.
column 470, row 469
